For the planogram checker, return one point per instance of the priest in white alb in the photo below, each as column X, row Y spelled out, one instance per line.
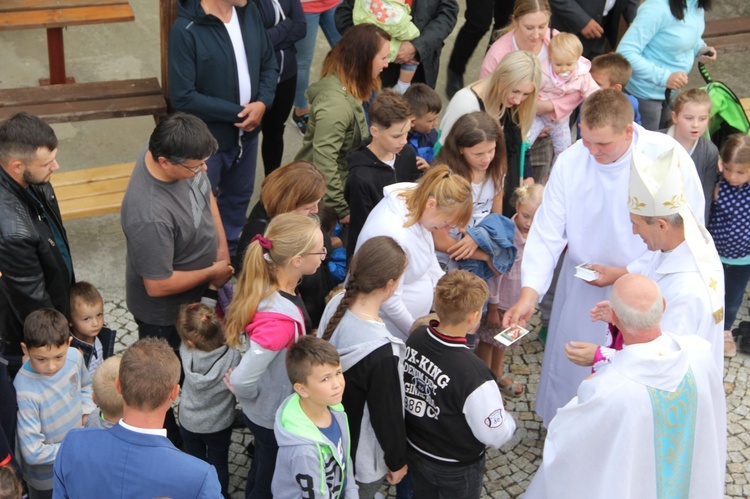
column 683, row 261
column 650, row 424
column 585, row 207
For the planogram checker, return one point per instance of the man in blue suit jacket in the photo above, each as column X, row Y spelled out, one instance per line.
column 134, row 459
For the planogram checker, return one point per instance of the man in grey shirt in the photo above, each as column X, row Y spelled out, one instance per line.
column 175, row 240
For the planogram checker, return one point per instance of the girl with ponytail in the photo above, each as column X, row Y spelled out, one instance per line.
column 372, row 360
column 267, row 314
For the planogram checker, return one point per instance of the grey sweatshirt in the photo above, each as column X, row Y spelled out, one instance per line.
column 206, row 404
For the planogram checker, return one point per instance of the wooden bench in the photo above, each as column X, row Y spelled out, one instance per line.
column 54, row 15
column 725, row 33
column 86, row 101
column 92, row 191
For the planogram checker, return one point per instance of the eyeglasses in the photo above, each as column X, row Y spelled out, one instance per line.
column 323, row 253
column 195, row 170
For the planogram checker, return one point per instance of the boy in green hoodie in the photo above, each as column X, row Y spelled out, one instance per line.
column 311, row 427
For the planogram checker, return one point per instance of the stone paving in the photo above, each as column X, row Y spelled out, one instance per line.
column 510, row 470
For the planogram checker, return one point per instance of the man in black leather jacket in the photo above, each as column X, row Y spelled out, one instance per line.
column 34, row 254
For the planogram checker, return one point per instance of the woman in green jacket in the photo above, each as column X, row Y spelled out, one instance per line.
column 350, row 75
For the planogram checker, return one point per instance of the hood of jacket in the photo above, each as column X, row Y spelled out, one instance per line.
column 392, row 195
column 363, row 157
column 360, row 338
column 192, row 10
column 202, row 369
column 293, row 428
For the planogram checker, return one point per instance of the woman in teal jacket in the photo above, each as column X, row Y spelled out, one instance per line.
column 337, row 125
column 661, row 45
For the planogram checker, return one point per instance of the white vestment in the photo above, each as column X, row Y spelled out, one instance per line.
column 689, row 308
column 585, row 207
column 652, row 424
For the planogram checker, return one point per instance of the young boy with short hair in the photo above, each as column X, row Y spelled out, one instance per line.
column 384, row 161
column 95, row 341
column 453, row 404
column 53, row 390
column 425, row 104
column 106, row 396
column 311, row 426
column 613, row 70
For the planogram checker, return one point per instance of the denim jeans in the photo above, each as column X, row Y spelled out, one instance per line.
column 260, row 475
column 306, row 49
column 433, row 480
column 232, row 177
column 736, row 278
column 212, row 448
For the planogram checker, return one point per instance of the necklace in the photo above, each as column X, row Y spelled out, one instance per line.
column 368, row 316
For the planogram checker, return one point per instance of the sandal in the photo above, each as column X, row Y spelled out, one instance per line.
column 730, row 347
column 512, row 388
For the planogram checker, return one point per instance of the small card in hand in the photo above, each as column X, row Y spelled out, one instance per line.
column 511, row 335
column 583, row 271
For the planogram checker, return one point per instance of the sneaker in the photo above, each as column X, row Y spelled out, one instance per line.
column 301, row 122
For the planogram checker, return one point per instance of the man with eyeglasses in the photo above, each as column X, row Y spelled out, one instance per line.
column 175, row 239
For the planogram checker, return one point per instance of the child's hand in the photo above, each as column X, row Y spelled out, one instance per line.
column 336, row 243
column 422, row 164
column 227, row 382
column 395, row 477
column 464, row 248
column 493, row 317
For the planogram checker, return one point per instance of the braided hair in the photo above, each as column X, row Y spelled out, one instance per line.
column 378, row 261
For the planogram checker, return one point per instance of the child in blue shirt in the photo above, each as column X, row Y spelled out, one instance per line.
column 425, row 105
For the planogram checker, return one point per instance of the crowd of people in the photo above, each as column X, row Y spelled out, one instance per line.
column 633, row 241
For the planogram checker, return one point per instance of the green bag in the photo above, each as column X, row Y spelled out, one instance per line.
column 727, row 115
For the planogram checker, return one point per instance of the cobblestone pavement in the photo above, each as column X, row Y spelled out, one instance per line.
column 510, row 470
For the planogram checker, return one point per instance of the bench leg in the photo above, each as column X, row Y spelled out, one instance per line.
column 56, row 55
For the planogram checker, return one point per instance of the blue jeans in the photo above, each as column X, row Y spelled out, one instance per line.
column 232, row 176
column 433, row 480
column 306, row 49
column 736, row 278
column 260, row 475
column 212, row 448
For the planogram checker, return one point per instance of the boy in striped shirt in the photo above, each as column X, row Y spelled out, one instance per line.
column 53, row 388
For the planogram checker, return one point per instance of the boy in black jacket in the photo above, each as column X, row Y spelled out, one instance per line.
column 384, row 161
column 453, row 404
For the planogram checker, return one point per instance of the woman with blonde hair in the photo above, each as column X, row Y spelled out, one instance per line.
column 410, row 213
column 337, row 123
column 268, row 316
column 508, row 95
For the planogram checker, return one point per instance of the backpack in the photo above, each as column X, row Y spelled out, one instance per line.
column 727, row 115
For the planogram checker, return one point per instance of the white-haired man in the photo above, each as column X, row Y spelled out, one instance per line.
column 652, row 423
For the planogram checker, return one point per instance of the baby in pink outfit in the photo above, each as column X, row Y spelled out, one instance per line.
column 566, row 73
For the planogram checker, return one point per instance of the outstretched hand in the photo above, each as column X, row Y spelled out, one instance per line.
column 581, row 353
column 602, row 312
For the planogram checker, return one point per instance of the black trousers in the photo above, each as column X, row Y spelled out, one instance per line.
column 170, row 334
column 272, row 125
column 478, row 15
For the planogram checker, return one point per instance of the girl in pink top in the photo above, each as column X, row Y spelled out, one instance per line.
column 505, row 290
